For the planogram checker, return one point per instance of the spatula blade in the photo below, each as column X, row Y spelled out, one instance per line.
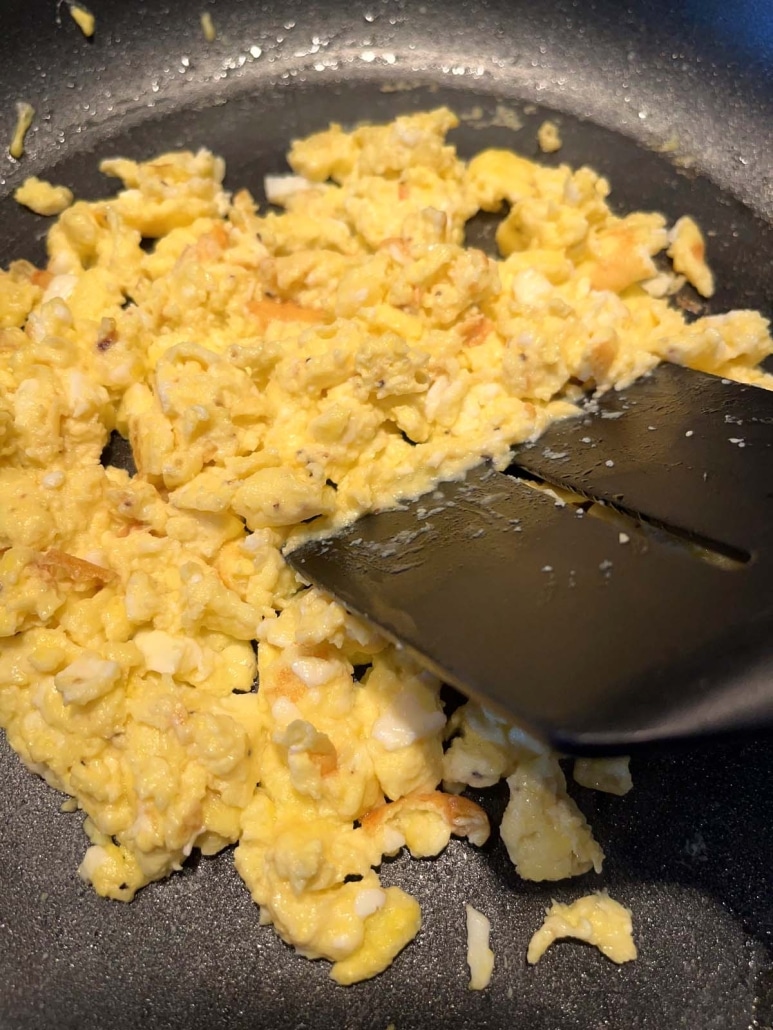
column 688, row 450
column 596, row 640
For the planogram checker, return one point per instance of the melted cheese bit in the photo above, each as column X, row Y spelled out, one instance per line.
column 596, row 919
column 24, row 114
column 284, row 711
column 315, row 672
column 208, row 27
column 368, row 901
column 480, row 957
column 61, row 287
column 279, row 188
column 168, row 654
column 84, row 19
column 405, row 722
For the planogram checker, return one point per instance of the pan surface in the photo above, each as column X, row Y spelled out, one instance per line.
column 689, row 849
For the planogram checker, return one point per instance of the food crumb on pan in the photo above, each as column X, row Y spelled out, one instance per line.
column 208, row 27
column 610, row 775
column 504, row 117
column 83, row 18
column 24, row 114
column 596, row 919
column 480, row 957
column 668, row 146
column 43, row 197
column 549, row 138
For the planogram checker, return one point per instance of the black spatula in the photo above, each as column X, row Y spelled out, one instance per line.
column 595, row 633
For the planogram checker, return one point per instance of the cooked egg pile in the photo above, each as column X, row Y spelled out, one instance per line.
column 271, row 368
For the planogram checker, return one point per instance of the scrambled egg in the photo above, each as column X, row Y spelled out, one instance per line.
column 546, row 835
column 549, row 138
column 160, row 663
column 688, row 254
column 596, row 919
column 42, row 197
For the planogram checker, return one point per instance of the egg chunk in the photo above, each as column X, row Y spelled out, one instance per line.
column 596, row 919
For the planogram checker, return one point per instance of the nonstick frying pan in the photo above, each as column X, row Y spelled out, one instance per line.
column 689, row 849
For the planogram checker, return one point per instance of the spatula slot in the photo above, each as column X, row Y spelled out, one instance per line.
column 636, row 524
